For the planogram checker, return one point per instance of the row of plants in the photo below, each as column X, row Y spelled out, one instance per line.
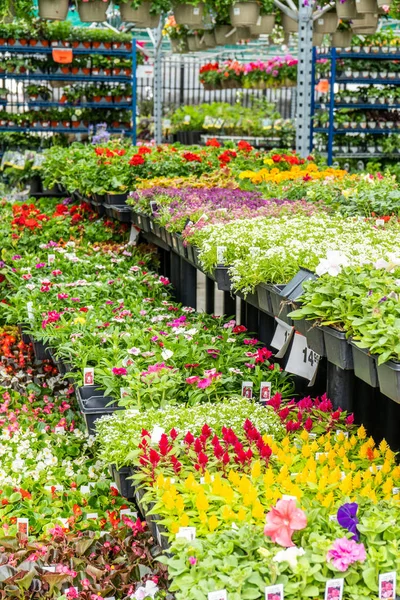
column 81, row 65
column 78, row 93
column 346, row 118
column 65, row 117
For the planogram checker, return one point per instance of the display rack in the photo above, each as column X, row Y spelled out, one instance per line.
column 41, row 48
column 331, row 106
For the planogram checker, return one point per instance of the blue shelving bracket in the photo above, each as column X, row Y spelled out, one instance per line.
column 312, row 107
column 331, row 106
column 134, row 91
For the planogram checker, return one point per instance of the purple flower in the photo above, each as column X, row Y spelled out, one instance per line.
column 347, row 518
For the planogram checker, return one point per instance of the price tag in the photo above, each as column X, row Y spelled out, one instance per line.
column 187, row 119
column 128, row 512
column 93, row 516
column 23, row 528
column 395, row 491
column 57, row 488
column 49, row 569
column 288, row 497
column 236, row 11
column 196, row 10
column 282, row 336
column 247, row 389
column 221, row 255
column 320, row 21
column 88, row 376
column 59, row 430
column 85, row 489
column 187, row 533
column 153, row 206
column 50, row 259
column 387, row 586
column 133, row 235
column 29, row 308
column 218, row 595
column 64, row 522
column 274, row 592
column 265, row 391
column 167, row 123
column 302, row 360
column 334, row 589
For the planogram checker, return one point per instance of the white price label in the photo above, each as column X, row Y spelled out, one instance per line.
column 85, row 489
column 49, row 569
column 247, row 389
column 302, row 360
column 218, row 595
column 187, row 119
column 282, row 336
column 128, row 512
column 167, row 123
column 93, row 516
column 265, row 391
column 288, row 497
column 188, row 533
column 133, row 235
column 221, row 250
column 196, row 10
column 88, row 376
column 320, row 21
column 387, row 586
column 59, row 430
column 236, row 11
column 274, row 592
column 334, row 589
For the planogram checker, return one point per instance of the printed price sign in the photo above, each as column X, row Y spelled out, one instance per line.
column 265, row 391
column 334, row 589
column 218, row 595
column 302, row 360
column 88, row 376
column 247, row 389
column 23, row 529
column 274, row 592
column 188, row 533
column 282, row 336
column 133, row 235
column 387, row 586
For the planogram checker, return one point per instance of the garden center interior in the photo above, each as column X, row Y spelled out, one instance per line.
column 200, row 299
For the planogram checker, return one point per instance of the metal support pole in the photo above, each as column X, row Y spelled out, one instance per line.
column 134, row 91
column 305, row 57
column 188, row 284
column 331, row 106
column 210, row 296
column 158, row 84
column 312, row 111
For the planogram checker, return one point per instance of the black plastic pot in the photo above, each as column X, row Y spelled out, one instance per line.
column 151, row 520
column 188, row 138
column 314, row 335
column 41, row 351
column 389, row 379
column 364, row 365
column 196, row 257
column 174, row 242
column 338, row 350
column 264, row 299
column 294, row 288
column 109, row 210
column 99, row 208
column 122, row 213
column 25, row 337
column 181, row 247
column 94, row 405
column 222, row 278
column 124, row 484
column 100, row 197
column 116, row 199
column 35, row 185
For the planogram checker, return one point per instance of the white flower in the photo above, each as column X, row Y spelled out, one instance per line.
column 289, row 555
column 147, row 591
column 332, row 264
column 156, row 434
column 134, row 351
column 381, row 263
column 166, row 354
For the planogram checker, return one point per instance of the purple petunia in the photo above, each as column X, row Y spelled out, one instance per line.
column 347, row 518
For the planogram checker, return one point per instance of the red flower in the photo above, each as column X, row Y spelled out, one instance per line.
column 350, row 419
column 99, row 151
column 202, row 459
column 136, row 160
column 213, row 142
column 245, row 146
column 191, row 157
column 154, row 457
column 263, row 354
column 189, row 438
column 144, row 150
column 76, row 509
column 173, row 433
column 239, row 329
column 164, row 445
column 308, row 424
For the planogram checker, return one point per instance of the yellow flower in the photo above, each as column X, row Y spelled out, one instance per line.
column 180, row 505
column 184, row 520
column 346, row 485
column 241, row 515
column 361, row 432
column 79, row 320
column 175, row 527
column 383, row 446
column 327, row 500
column 203, row 518
column 227, row 513
column 189, row 482
column 202, row 502
column 168, row 501
column 256, row 470
column 213, row 523
column 207, row 477
column 306, row 451
column 387, row 486
column 258, row 511
column 268, row 161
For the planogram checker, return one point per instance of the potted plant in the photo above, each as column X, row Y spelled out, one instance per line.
column 92, row 11
column 244, row 13
column 266, row 20
column 346, row 9
column 53, row 10
column 327, row 23
column 341, row 38
column 189, row 13
column 142, row 13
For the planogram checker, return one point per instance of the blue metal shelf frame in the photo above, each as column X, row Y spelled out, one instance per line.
column 132, row 79
column 333, row 55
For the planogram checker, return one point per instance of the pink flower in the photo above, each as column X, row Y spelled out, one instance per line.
column 192, row 560
column 119, row 371
column 193, row 379
column 282, row 520
column 204, row 383
column 345, row 552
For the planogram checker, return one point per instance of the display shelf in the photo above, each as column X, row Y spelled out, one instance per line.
column 67, row 77
column 40, row 104
column 371, row 155
column 48, row 50
column 331, row 106
column 254, row 141
column 32, row 129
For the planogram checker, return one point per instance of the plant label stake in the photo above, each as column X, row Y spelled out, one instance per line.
column 265, row 391
column 334, row 589
column 187, row 533
column 218, row 595
column 302, row 360
column 23, row 529
column 221, row 255
column 387, row 586
column 247, row 389
column 282, row 336
column 88, row 376
column 274, row 592
column 50, row 259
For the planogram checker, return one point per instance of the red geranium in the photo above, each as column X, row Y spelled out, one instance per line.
column 245, row 146
column 136, row 160
column 191, row 157
column 144, row 150
column 214, row 143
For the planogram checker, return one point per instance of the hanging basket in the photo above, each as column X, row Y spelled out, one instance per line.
column 346, row 10
column 208, row 40
column 289, row 25
column 187, row 14
column 264, row 25
column 381, row 3
column 93, row 11
column 54, row 10
column 317, row 38
column 244, row 13
column 193, row 43
column 223, row 35
column 365, row 7
column 243, row 33
column 342, row 39
column 140, row 16
column 327, row 23
column 180, row 46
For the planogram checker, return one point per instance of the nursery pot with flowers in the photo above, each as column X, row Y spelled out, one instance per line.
column 341, row 39
column 187, row 14
column 193, row 43
column 317, row 38
column 289, row 25
column 264, row 25
column 140, row 16
column 179, row 46
column 54, row 10
column 244, row 13
column 346, row 9
column 92, row 11
column 224, row 36
column 327, row 23
column 366, row 7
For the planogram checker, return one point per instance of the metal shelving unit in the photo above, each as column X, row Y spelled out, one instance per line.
column 333, row 55
column 7, row 50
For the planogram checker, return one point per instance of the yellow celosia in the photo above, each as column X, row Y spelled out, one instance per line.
column 202, row 502
column 184, row 520
column 361, row 432
column 258, row 511
column 256, row 470
column 213, row 523
column 180, row 504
